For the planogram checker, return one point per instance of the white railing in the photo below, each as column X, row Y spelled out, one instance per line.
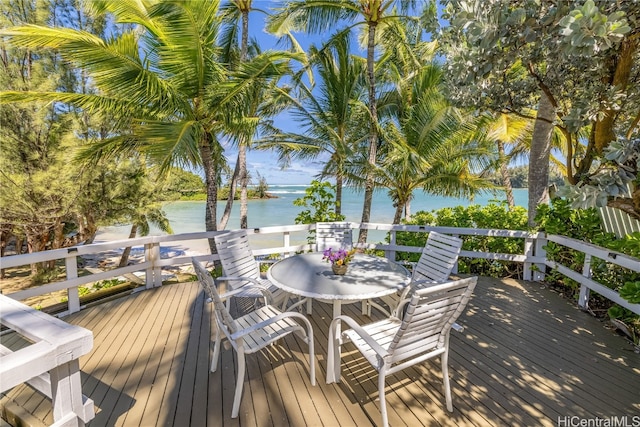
column 293, row 239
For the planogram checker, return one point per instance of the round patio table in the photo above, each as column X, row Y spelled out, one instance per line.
column 367, row 277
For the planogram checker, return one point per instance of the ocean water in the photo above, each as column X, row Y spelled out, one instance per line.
column 188, row 216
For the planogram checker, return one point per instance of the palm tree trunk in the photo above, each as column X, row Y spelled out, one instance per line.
column 397, row 216
column 339, row 185
column 127, row 251
column 232, row 194
column 211, row 182
column 504, row 173
column 407, row 210
column 373, row 135
column 242, row 159
column 539, row 157
column 242, row 151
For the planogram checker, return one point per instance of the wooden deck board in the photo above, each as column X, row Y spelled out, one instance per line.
column 526, row 357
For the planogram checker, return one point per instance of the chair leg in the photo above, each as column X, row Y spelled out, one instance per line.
column 383, row 400
column 239, row 384
column 445, row 380
column 333, row 353
column 312, row 365
column 216, row 350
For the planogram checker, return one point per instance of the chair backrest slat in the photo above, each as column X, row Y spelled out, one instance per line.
column 336, row 235
column 223, row 317
column 430, row 314
column 438, row 258
column 235, row 254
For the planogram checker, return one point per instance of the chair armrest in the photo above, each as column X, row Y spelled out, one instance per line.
column 265, row 323
column 251, row 280
column 252, row 285
column 380, row 351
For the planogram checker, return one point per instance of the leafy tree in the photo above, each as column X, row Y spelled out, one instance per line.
column 158, row 78
column 153, row 79
column 609, row 184
column 40, row 199
column 319, row 201
column 178, row 183
column 134, row 202
column 577, row 61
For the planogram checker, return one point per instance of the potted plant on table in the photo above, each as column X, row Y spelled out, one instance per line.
column 339, row 259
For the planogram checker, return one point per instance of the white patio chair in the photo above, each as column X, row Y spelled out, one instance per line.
column 241, row 268
column 336, row 235
column 393, row 344
column 253, row 331
column 437, row 261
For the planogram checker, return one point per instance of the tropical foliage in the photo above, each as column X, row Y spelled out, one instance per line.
column 492, row 216
column 173, row 83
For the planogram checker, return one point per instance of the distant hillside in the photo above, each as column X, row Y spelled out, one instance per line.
column 519, row 177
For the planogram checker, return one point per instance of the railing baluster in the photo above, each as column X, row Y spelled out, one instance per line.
column 583, row 299
column 391, row 254
column 286, row 241
column 540, row 252
column 153, row 272
column 73, row 296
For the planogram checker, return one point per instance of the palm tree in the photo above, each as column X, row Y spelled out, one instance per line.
column 153, row 78
column 320, row 15
column 513, row 132
column 331, row 116
column 233, row 12
column 430, row 145
column 157, row 78
column 252, row 98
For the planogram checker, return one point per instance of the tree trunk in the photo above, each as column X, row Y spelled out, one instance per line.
column 407, row 210
column 604, row 127
column 339, row 186
column 242, row 159
column 232, row 194
column 242, row 150
column 211, row 182
column 504, row 173
column 397, row 216
column 4, row 239
column 373, row 132
column 124, row 259
column 36, row 242
column 539, row 157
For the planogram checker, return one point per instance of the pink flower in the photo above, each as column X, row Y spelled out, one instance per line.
column 339, row 257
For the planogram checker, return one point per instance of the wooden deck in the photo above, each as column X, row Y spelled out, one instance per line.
column 526, row 358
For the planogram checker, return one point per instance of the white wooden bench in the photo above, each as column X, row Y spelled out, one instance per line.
column 50, row 364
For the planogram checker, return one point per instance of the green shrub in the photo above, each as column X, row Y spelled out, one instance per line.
column 586, row 225
column 492, row 216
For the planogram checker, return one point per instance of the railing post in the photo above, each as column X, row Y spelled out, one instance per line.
column 583, row 299
column 286, row 241
column 73, row 296
column 153, row 272
column 540, row 252
column 391, row 254
column 528, row 253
